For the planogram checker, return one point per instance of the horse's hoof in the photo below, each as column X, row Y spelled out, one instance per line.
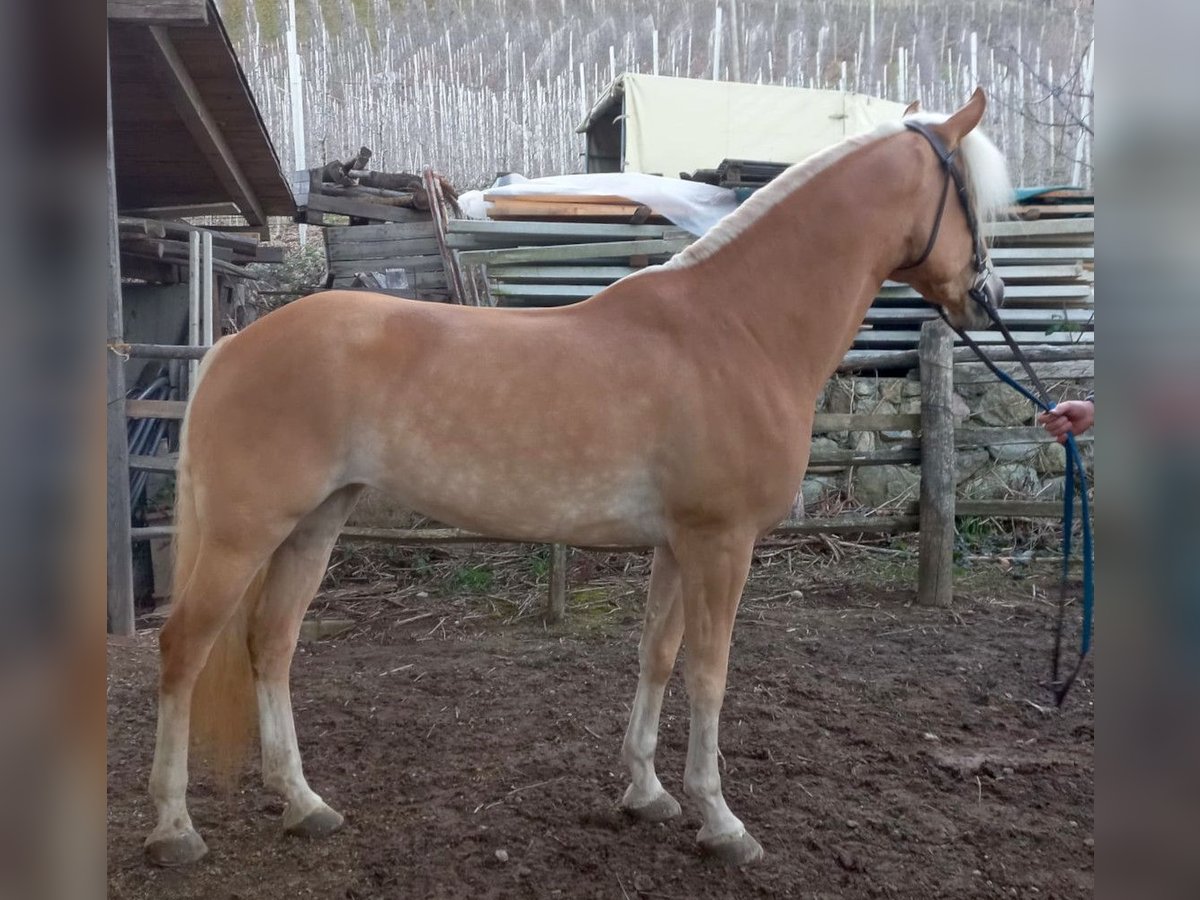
column 733, row 850
column 660, row 809
column 320, row 822
column 181, row 849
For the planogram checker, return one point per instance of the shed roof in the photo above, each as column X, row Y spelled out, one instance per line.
column 186, row 129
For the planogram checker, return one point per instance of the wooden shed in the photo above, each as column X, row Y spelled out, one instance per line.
column 187, row 134
column 186, row 138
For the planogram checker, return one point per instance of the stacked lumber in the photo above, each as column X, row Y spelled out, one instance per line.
column 349, row 188
column 553, row 263
column 400, row 258
column 738, row 173
column 149, row 247
column 1044, row 251
column 1046, row 263
column 568, row 207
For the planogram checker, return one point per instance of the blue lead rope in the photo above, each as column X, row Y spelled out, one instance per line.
column 1074, row 471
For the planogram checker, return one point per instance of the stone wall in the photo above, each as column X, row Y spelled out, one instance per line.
column 995, row 471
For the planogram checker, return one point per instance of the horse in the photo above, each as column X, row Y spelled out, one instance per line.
column 673, row 409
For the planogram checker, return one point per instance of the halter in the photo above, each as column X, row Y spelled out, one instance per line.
column 980, row 262
column 1039, row 396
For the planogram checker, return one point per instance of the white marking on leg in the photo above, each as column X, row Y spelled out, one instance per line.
column 641, row 740
column 169, row 773
column 281, row 766
column 657, row 650
column 701, row 776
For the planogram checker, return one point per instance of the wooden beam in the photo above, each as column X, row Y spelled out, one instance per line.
column 155, row 409
column 363, row 209
column 188, row 211
column 573, row 252
column 556, row 601
column 200, row 123
column 935, row 562
column 120, row 552
column 181, row 13
column 160, row 351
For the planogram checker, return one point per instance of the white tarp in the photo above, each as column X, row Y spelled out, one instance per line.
column 690, row 205
column 675, row 125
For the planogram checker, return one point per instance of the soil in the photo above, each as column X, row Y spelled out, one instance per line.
column 876, row 749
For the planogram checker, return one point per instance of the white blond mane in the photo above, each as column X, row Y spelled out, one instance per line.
column 983, row 164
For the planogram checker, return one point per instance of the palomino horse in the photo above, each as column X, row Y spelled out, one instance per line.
column 673, row 409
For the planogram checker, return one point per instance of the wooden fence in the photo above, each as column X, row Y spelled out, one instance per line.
column 933, row 447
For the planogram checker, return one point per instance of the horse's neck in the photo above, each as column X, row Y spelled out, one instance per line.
column 800, row 278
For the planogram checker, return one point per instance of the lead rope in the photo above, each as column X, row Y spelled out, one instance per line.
column 1074, row 470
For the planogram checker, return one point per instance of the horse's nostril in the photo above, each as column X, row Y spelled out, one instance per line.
column 997, row 291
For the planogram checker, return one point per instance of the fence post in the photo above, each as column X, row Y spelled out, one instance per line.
column 120, row 553
column 556, row 602
column 935, row 571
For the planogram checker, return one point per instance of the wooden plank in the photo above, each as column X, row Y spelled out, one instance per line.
column 845, row 459
column 200, row 123
column 119, row 549
column 1052, row 228
column 437, row 210
column 386, row 231
column 1029, row 211
column 561, row 274
column 551, row 232
column 573, row 252
column 866, row 360
column 847, row 524
column 1014, row 509
column 556, row 600
column 432, row 262
column 160, row 351
column 823, row 422
column 539, row 291
column 363, row 209
column 1016, row 292
column 557, row 198
column 1067, row 272
column 1013, row 255
column 908, row 337
column 505, row 210
column 176, row 13
column 935, row 561
column 366, row 250
column 163, row 464
column 152, row 532
column 1014, row 317
column 155, row 409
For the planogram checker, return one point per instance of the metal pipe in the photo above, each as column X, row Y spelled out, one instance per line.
column 207, row 292
column 193, row 302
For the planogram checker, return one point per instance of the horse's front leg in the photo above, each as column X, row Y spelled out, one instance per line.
column 645, row 798
column 713, row 564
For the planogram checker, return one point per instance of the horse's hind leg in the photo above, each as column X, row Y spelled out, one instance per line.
column 645, row 798
column 200, row 610
column 295, row 573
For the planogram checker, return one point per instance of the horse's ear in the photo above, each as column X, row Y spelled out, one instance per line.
column 959, row 125
column 914, row 107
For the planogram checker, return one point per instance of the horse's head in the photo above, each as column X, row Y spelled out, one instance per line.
column 963, row 183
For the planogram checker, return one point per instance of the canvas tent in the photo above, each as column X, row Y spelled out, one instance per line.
column 663, row 126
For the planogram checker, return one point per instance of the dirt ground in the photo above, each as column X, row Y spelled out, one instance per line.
column 876, row 749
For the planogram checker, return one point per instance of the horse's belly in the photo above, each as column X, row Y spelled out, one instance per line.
column 528, row 502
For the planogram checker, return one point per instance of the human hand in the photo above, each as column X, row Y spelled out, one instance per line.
column 1069, row 417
